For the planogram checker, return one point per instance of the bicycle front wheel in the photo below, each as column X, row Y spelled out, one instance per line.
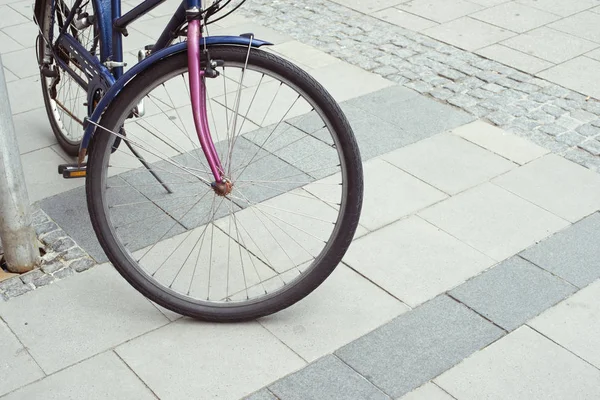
column 266, row 241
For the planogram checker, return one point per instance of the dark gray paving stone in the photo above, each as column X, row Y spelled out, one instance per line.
column 327, row 378
column 263, row 394
column 513, row 292
column 572, row 254
column 419, row 345
column 417, row 116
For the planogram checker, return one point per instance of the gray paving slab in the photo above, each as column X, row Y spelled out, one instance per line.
column 514, row 58
column 189, row 359
column 17, row 368
column 80, row 317
column 263, row 394
column 583, row 25
column 417, row 346
column 578, row 74
column 417, row 116
column 522, row 365
column 468, row 33
column 515, row 17
column 103, row 376
column 327, row 378
column 429, row 391
column 512, row 292
column 440, row 10
column 574, row 324
column 572, row 254
column 560, row 7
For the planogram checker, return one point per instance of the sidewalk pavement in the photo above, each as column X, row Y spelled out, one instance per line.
column 483, row 285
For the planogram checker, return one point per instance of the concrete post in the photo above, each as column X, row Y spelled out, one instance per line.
column 17, row 233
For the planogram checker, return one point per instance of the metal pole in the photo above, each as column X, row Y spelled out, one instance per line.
column 17, row 234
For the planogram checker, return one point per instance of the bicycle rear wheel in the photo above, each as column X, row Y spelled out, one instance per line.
column 288, row 217
column 64, row 98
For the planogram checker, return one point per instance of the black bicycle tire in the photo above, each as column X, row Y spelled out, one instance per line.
column 69, row 146
column 296, row 291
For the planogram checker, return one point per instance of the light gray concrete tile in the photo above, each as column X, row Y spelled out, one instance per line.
column 515, row 17
column 559, row 7
column 449, row 163
column 90, row 312
column 522, row 365
column 22, row 62
column 414, row 260
column 594, row 54
column 494, row 221
column 583, row 25
column 468, row 33
column 17, row 367
column 25, row 94
column 557, row 185
column 574, row 324
column 514, row 58
column 369, row 7
column 579, row 74
column 413, row 117
column 335, row 78
column 571, row 254
column 25, row 8
column 9, row 76
column 500, row 142
column 33, row 130
column 346, row 303
column 550, row 44
column 24, row 34
column 404, row 19
column 326, row 378
column 101, row 377
column 41, row 176
column 8, row 44
column 259, row 31
column 429, row 391
column 9, row 16
column 440, row 10
column 217, row 360
column 404, row 194
column 303, row 54
column 512, row 292
column 263, row 394
column 417, row 346
column 489, row 3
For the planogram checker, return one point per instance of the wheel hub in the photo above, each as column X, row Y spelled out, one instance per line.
column 222, row 188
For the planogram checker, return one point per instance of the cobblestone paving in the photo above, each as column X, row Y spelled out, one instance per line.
column 559, row 119
column 62, row 258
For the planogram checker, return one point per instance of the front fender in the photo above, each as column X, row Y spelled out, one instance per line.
column 140, row 67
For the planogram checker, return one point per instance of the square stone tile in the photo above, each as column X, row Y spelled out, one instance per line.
column 500, row 142
column 404, row 194
column 8, row 44
column 25, row 94
column 560, row 7
column 522, row 365
column 303, row 54
column 515, row 17
column 512, row 292
column 594, row 54
column 83, row 315
column 583, row 25
column 369, row 7
column 41, row 174
column 550, row 45
column 376, row 136
column 24, row 34
column 263, row 394
column 440, row 10
column 33, row 130
column 25, row 8
column 92, row 379
column 468, row 33
column 429, row 391
column 259, row 31
column 22, row 62
column 516, row 59
column 571, row 254
column 579, row 74
column 346, row 303
column 574, row 324
column 414, row 260
column 419, row 345
column 404, row 19
column 335, row 78
column 9, row 17
column 557, row 185
column 494, row 221
column 449, row 163
column 488, row 3
column 9, row 76
column 217, row 360
column 17, row 367
column 328, row 377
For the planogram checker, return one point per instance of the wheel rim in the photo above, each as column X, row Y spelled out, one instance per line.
column 198, row 263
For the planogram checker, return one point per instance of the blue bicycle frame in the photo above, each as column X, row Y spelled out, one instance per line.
column 105, row 74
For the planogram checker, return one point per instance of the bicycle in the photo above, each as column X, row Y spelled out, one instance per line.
column 222, row 182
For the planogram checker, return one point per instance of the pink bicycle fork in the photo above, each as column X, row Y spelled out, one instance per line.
column 198, row 97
